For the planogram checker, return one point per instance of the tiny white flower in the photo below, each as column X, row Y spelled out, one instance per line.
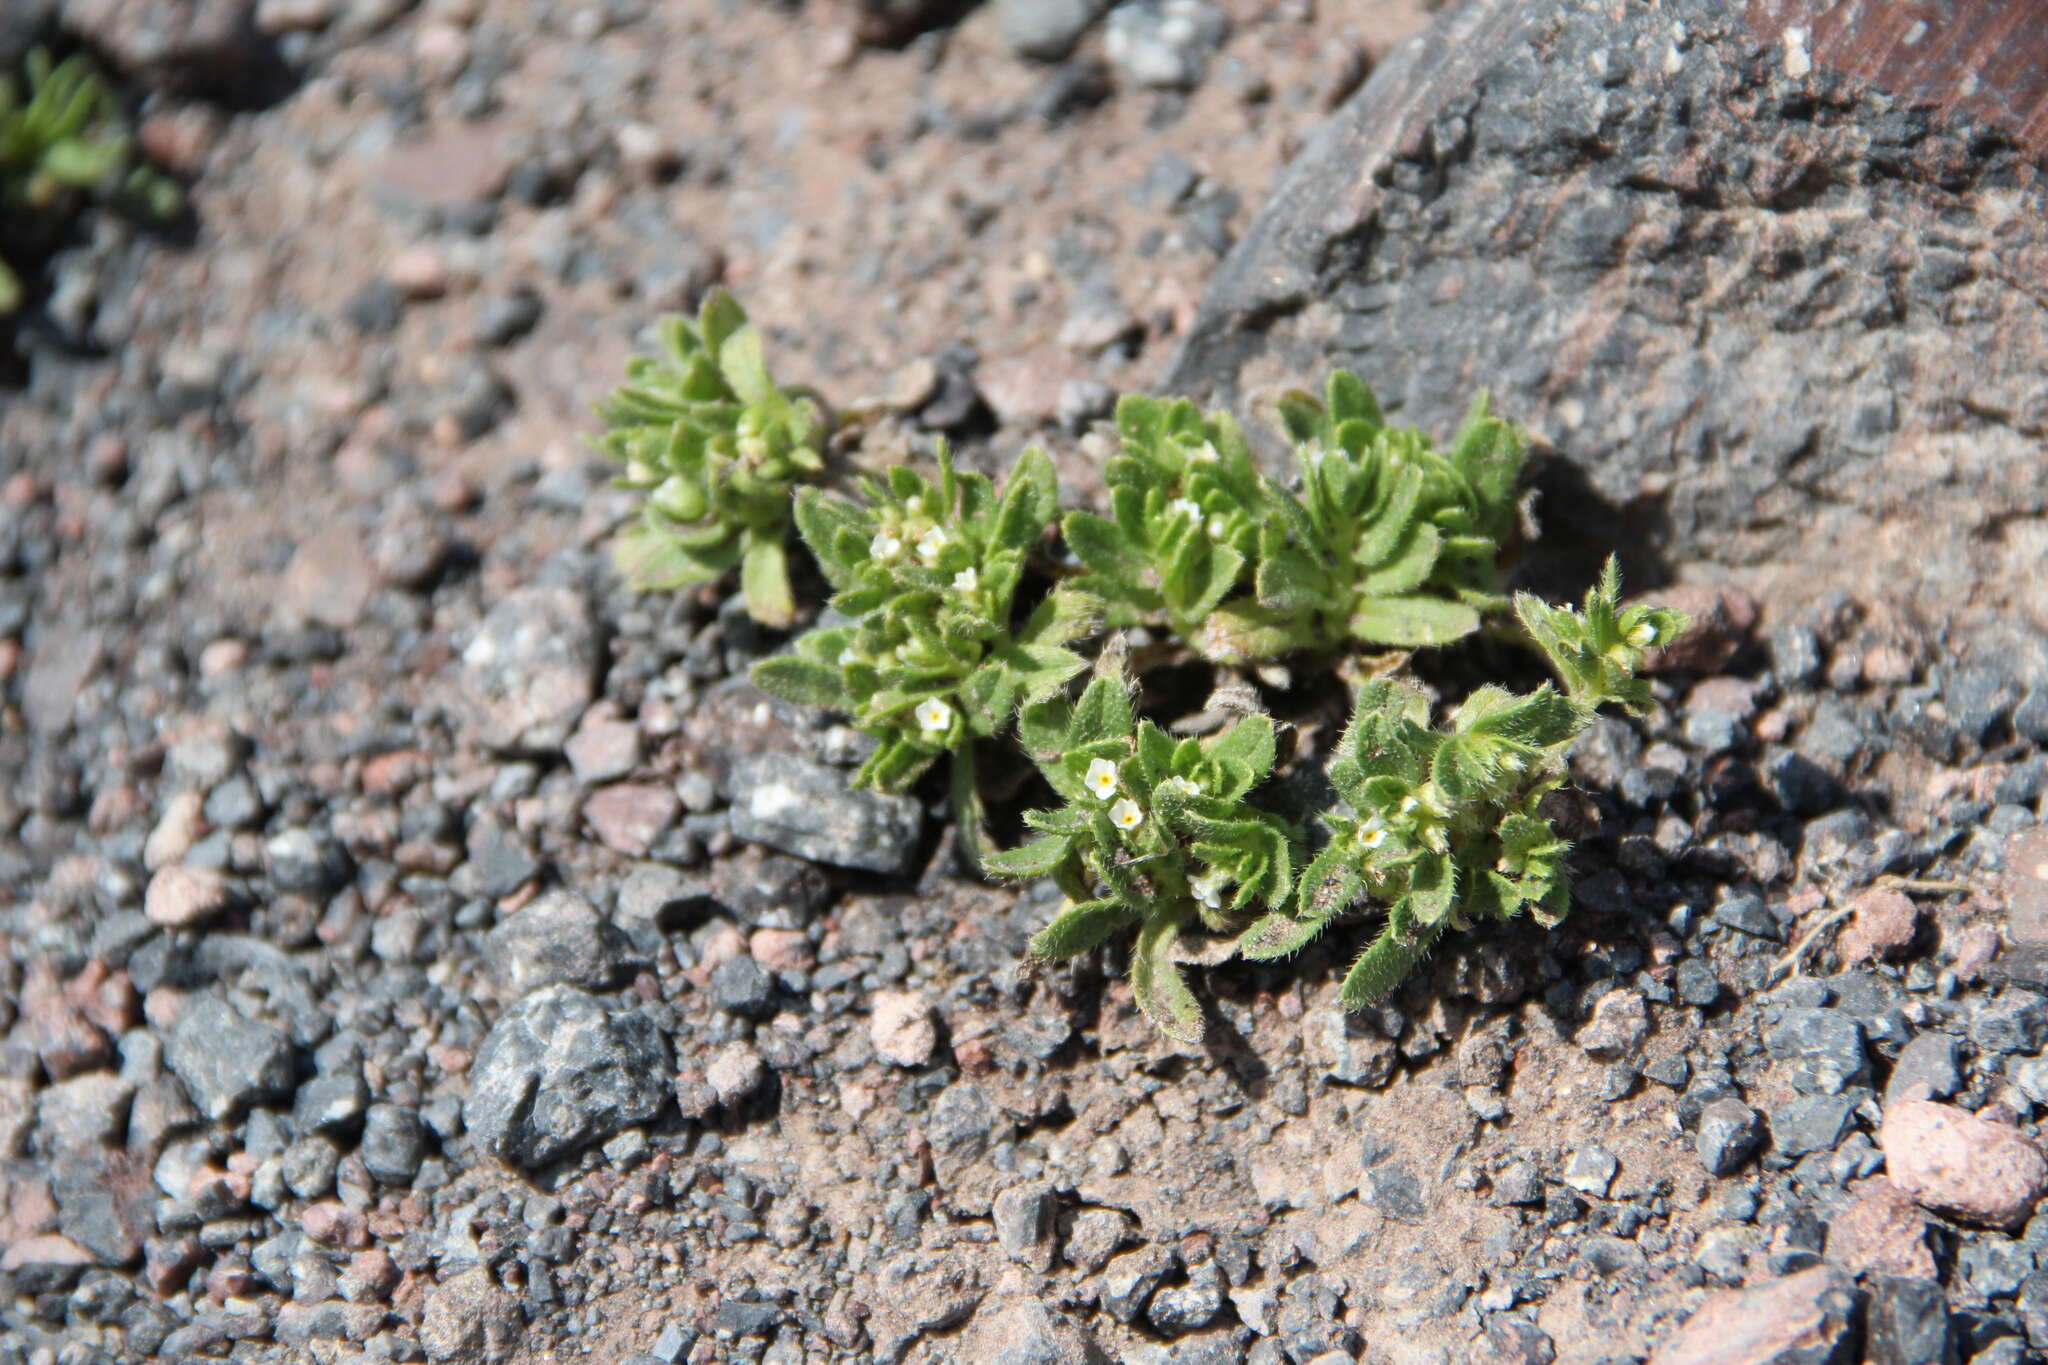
column 1186, row 507
column 1101, row 779
column 1127, row 814
column 931, row 544
column 1208, row 889
column 847, row 657
column 933, row 715
column 1217, row 526
column 1371, row 838
column 1205, row 452
column 1644, row 635
column 967, row 580
column 884, row 546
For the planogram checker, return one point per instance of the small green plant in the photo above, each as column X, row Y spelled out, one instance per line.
column 717, row 448
column 932, row 656
column 1156, row 834
column 1445, row 826
column 60, row 144
column 1387, row 543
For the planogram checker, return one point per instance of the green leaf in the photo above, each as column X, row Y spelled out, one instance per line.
column 1384, row 965
column 650, row 559
column 1030, row 501
column 764, row 580
column 1407, row 567
column 1432, row 888
column 1412, row 622
column 1039, row 858
column 1080, row 928
column 1103, row 548
column 1247, row 747
column 1162, row 992
column 1351, row 400
column 805, row 682
column 1288, row 581
column 1104, row 711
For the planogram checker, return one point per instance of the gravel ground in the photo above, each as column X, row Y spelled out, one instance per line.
column 395, row 963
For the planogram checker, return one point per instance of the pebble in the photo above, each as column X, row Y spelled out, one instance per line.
column 1882, row 1233
column 1590, row 1170
column 468, row 1319
column 902, row 1029
column 1729, row 1134
column 1619, row 1025
column 1023, row 1217
column 629, row 817
column 1960, row 1164
column 557, row 939
column 1811, row 1123
column 559, row 1072
column 1164, row 44
column 1128, row 1282
column 740, row 985
column 735, row 1073
column 1882, row 925
column 604, row 748
column 180, row 897
column 1812, row 1316
column 393, row 1143
column 812, row 811
column 531, row 670
column 1928, row 1067
column 1045, row 30
column 1825, row 1047
column 227, row 1060
column 177, row 829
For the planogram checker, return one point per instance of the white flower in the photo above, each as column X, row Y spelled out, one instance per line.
column 1206, row 451
column 884, row 546
column 1127, row 814
column 1186, row 507
column 1644, row 635
column 1208, row 889
column 967, row 580
column 933, row 715
column 931, row 544
column 1372, row 833
column 847, row 658
column 1217, row 526
column 1101, row 779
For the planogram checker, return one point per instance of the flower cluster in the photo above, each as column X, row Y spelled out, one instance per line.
column 1445, row 825
column 928, row 576
column 717, row 448
column 1156, row 833
column 63, row 141
column 1387, row 543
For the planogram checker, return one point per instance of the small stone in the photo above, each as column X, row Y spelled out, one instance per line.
column 335, row 1225
column 1129, row 1281
column 1182, row 1308
column 812, row 811
column 558, row 939
column 1747, row 914
column 330, row 1103
column 603, row 748
column 227, row 1060
column 1825, row 1047
column 1882, row 925
column 419, row 272
column 1882, row 1233
column 1393, row 1189
column 306, row 863
column 1045, row 30
column 370, row 1276
column 735, row 1073
column 1590, row 1170
column 2018, row 1023
column 782, row 950
column 1928, row 1067
column 1810, row 1318
column 902, row 1029
column 1962, row 1165
column 742, row 986
column 469, row 1319
column 1023, row 1217
column 1164, row 44
column 1729, row 1134
column 531, row 670
column 180, row 897
column 1698, row 984
column 2024, row 879
column 1619, row 1025
column 393, row 1144
column 329, row 580
column 630, row 816
column 1907, row 1322
column 177, row 829
column 560, row 1072
column 1811, row 1123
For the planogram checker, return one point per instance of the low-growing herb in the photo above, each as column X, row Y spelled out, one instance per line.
column 931, row 656
column 62, row 140
column 718, row 449
column 1155, row 834
column 1445, row 825
column 1388, row 542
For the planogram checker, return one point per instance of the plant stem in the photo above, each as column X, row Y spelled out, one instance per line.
column 970, row 816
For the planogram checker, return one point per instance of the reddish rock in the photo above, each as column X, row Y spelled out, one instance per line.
column 1810, row 1316
column 63, row 1038
column 782, row 950
column 329, row 580
column 902, row 1029
column 48, row 1249
column 1722, row 619
column 2025, row 882
column 168, row 1262
column 333, row 1224
column 26, row 1208
column 629, row 816
column 180, row 897
column 1961, row 1164
column 392, row 773
column 467, row 163
column 1882, row 924
column 604, row 746
column 1882, row 1233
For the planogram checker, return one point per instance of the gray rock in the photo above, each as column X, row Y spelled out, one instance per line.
column 1164, row 44
column 227, row 1060
column 307, row 863
column 1045, row 30
column 531, row 670
column 1698, row 984
column 88, row 1110
column 2018, row 1023
column 1729, row 1133
column 1907, row 1323
column 558, row 939
column 469, row 1319
column 330, row 1103
column 560, row 1072
column 808, row 809
column 499, row 861
column 1393, row 1189
column 1825, row 1048
column 1590, row 1170
column 1811, row 1123
column 1129, row 1281
column 1748, row 914
column 393, row 1144
column 741, row 985
column 1024, row 1224
column 308, row 1167
column 1181, row 1308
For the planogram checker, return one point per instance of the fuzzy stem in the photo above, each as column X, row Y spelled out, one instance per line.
column 970, row 816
